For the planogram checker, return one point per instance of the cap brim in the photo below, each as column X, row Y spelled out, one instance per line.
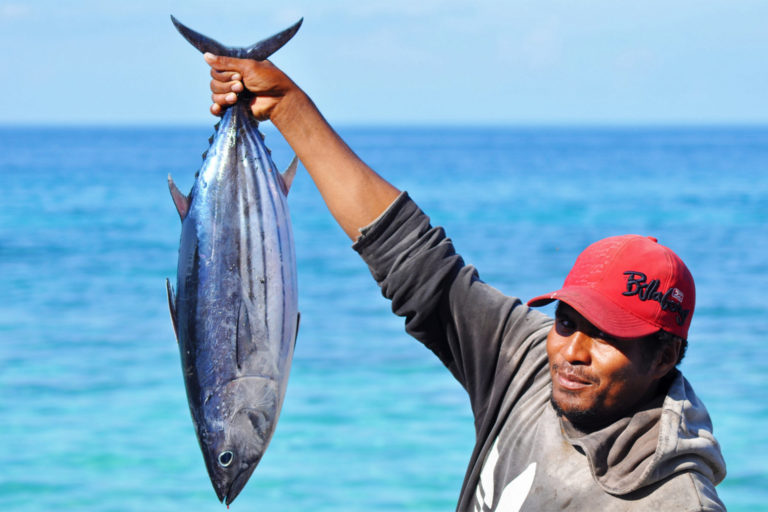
column 604, row 314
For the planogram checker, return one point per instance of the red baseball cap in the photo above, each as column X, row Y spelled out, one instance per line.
column 629, row 286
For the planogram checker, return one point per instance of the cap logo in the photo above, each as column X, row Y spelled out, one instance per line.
column 638, row 285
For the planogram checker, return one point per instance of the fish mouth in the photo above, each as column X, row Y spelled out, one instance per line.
column 237, row 485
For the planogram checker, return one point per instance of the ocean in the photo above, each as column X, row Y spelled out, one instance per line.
column 92, row 402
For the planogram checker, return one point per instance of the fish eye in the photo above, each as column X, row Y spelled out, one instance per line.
column 225, row 458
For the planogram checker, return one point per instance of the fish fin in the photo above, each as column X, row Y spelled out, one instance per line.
column 179, row 199
column 199, row 41
column 244, row 345
column 172, row 307
column 289, row 174
column 298, row 321
column 268, row 46
column 241, row 327
column 258, row 51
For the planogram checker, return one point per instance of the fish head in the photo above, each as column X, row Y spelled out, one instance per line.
column 234, row 449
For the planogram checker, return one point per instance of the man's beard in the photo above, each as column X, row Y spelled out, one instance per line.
column 587, row 421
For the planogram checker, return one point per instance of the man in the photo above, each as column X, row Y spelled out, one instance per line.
column 586, row 413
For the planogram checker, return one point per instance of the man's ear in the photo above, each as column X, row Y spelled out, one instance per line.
column 666, row 358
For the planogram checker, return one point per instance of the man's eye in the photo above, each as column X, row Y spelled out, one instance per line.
column 565, row 322
column 607, row 338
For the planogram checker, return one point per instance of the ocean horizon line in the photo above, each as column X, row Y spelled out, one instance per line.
column 447, row 126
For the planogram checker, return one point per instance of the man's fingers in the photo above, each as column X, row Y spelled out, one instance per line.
column 226, row 64
column 225, row 76
column 233, row 77
column 232, row 64
column 225, row 87
column 224, row 99
column 218, row 63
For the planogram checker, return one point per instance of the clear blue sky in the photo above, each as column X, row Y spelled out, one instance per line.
column 397, row 61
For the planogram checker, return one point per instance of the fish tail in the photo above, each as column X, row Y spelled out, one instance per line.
column 258, row 51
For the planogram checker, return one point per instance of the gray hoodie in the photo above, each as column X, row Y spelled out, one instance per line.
column 664, row 457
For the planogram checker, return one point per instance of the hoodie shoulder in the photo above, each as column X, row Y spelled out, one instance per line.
column 686, row 438
column 668, row 443
column 683, row 492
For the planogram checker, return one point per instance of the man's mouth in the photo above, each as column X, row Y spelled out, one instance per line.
column 571, row 379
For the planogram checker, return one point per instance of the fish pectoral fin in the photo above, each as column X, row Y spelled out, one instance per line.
column 172, row 307
column 179, row 199
column 245, row 331
column 289, row 174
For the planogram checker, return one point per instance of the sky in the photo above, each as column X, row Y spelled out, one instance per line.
column 397, row 62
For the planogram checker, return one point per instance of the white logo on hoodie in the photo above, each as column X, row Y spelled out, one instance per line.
column 514, row 494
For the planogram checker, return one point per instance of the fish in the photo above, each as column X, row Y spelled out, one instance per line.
column 235, row 307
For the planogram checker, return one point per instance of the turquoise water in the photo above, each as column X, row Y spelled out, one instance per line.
column 92, row 403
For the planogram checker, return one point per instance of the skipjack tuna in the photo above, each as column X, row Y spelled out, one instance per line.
column 235, row 310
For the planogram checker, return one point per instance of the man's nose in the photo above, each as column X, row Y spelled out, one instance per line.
column 577, row 348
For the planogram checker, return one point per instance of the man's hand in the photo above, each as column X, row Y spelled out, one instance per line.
column 354, row 193
column 230, row 77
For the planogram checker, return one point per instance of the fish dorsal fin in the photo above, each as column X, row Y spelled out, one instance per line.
column 179, row 199
column 258, row 51
column 289, row 174
column 172, row 307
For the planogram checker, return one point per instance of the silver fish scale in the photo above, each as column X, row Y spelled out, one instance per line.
column 236, row 304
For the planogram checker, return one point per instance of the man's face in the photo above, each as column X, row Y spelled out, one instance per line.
column 596, row 379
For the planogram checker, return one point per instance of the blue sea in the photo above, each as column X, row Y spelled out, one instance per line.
column 92, row 405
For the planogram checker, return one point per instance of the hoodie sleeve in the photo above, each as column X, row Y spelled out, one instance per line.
column 446, row 306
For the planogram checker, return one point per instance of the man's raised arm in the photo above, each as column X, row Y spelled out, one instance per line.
column 353, row 192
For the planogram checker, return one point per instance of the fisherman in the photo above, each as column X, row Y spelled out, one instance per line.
column 586, row 412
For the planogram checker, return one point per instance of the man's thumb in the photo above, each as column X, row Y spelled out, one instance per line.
column 220, row 63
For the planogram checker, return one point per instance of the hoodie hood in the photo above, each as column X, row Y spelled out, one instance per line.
column 671, row 434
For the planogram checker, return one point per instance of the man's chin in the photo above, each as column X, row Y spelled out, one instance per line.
column 586, row 420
